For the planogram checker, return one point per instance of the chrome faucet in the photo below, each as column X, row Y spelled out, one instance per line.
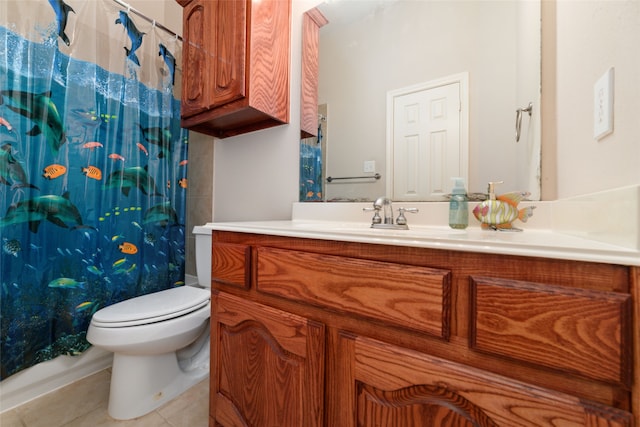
column 384, row 205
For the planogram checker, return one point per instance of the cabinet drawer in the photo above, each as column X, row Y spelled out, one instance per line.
column 581, row 331
column 231, row 264
column 411, row 297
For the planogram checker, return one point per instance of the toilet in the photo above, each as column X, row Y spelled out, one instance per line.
column 160, row 340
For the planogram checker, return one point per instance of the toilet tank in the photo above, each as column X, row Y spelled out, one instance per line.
column 202, row 234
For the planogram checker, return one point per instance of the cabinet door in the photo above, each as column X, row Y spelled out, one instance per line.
column 214, row 55
column 385, row 385
column 267, row 366
column 196, row 29
column 312, row 20
column 229, row 51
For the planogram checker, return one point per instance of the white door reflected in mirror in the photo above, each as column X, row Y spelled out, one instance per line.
column 427, row 138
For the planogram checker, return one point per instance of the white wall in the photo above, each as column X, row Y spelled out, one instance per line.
column 591, row 37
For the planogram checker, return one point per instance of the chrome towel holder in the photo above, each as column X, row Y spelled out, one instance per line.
column 519, row 111
column 376, row 176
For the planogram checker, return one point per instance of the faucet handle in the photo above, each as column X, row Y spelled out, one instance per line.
column 376, row 215
column 402, row 220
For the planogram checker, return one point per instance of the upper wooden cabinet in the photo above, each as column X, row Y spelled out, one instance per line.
column 312, row 21
column 235, row 65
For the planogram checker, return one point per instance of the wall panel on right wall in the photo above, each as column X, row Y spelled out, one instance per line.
column 591, row 37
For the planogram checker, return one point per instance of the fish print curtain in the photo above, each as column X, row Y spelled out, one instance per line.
column 92, row 170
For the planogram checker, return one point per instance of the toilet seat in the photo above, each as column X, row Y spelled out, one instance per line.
column 151, row 308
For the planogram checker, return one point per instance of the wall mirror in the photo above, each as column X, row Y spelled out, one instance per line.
column 373, row 50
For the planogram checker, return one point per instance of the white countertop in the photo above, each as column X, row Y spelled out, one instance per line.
column 535, row 242
column 599, row 227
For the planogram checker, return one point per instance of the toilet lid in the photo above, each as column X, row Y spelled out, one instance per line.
column 152, row 307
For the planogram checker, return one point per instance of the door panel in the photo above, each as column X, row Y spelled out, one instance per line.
column 426, row 142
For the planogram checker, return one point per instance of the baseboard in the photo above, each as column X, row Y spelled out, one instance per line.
column 49, row 376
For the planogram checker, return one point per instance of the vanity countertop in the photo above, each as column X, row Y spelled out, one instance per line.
column 530, row 242
column 600, row 227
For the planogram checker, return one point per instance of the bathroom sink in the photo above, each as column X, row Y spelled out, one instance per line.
column 353, row 228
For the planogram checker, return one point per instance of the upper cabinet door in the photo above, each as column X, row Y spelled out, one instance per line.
column 235, row 65
column 312, row 21
column 230, row 51
column 196, row 61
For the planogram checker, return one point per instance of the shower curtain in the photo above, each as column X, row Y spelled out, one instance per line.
column 92, row 170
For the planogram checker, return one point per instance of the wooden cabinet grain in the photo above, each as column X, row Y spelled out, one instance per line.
column 400, row 336
column 266, row 364
column 312, row 21
column 397, row 387
column 235, row 65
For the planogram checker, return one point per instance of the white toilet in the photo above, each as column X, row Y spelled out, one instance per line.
column 160, row 341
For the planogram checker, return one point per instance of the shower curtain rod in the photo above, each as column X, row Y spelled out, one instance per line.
column 146, row 18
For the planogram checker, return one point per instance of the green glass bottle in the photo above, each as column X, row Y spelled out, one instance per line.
column 458, row 206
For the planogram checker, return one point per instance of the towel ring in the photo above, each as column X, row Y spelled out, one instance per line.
column 519, row 111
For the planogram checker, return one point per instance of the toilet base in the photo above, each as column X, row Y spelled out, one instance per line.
column 140, row 384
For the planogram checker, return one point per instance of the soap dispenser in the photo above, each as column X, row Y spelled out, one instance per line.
column 458, row 206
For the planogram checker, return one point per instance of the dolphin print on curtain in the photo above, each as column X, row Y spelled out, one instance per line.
column 92, row 170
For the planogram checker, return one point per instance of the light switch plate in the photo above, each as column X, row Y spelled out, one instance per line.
column 603, row 105
column 369, row 166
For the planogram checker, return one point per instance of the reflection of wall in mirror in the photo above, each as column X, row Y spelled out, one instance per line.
column 487, row 49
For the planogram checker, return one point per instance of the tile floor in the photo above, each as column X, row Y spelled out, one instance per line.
column 84, row 404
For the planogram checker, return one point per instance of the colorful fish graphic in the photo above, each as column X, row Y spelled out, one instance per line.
column 94, row 270
column 92, row 172
column 150, row 239
column 91, row 145
column 142, row 148
column 11, row 247
column 4, row 122
column 183, row 182
column 158, row 136
column 65, row 283
column 39, row 108
column 116, row 156
column 169, row 60
column 127, row 178
column 56, row 209
column 84, row 306
column 128, row 248
column 134, row 35
column 53, row 171
column 62, row 15
column 501, row 212
column 11, row 171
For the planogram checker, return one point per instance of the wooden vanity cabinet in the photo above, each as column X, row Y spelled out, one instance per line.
column 268, row 366
column 235, row 65
column 324, row 333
